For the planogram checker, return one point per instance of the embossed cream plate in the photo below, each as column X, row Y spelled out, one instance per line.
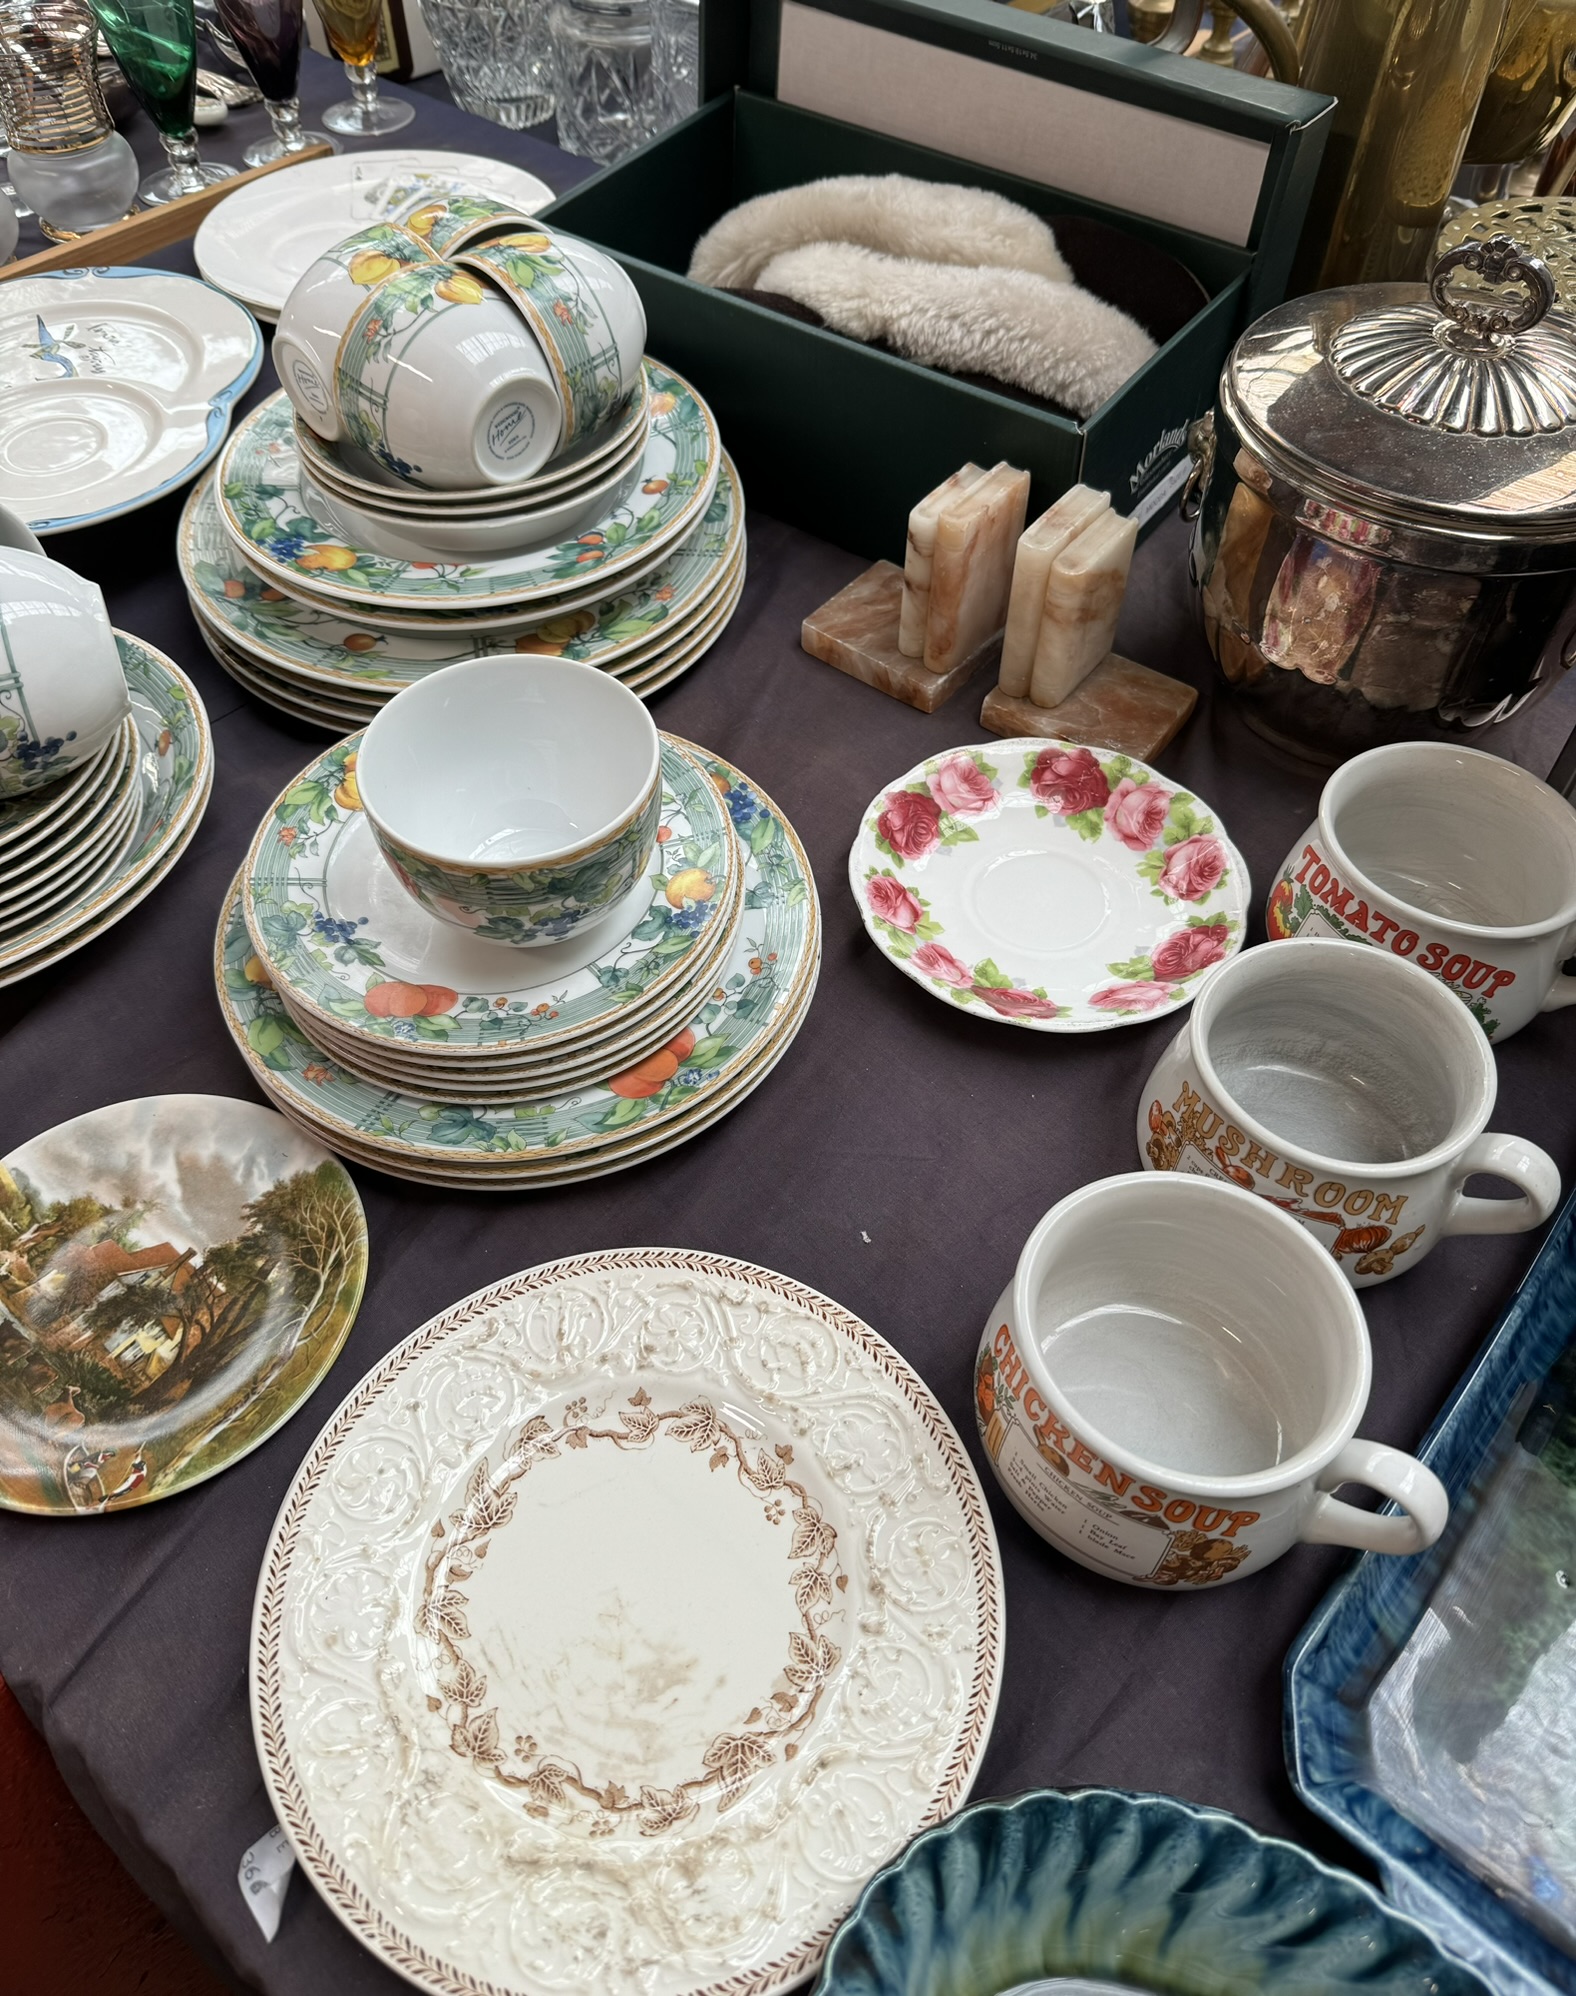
column 617, row 1626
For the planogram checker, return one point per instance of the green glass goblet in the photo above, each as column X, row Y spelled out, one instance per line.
column 155, row 43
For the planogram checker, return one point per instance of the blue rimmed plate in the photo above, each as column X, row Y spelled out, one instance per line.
column 116, row 386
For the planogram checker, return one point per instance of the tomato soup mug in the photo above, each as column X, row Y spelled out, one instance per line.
column 1458, row 861
column 1171, row 1385
column 1351, row 1090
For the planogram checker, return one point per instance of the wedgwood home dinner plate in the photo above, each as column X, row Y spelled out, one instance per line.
column 261, row 238
column 175, row 766
column 179, row 1273
column 116, row 386
column 338, row 934
column 762, row 991
column 617, row 1626
column 264, row 510
column 1047, row 885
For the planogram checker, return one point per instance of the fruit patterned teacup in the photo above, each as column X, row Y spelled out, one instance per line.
column 514, row 797
column 1458, row 861
column 584, row 309
column 453, row 222
column 442, row 382
column 322, row 302
column 62, row 688
column 1171, row 1385
column 1349, row 1089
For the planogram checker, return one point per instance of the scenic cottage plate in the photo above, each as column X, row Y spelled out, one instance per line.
column 115, row 386
column 341, row 938
column 176, row 1275
column 1046, row 885
column 265, row 512
column 334, row 650
column 645, row 1468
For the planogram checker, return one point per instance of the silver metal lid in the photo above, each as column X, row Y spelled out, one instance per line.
column 1428, row 407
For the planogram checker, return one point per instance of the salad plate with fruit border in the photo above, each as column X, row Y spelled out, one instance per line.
column 1047, row 885
column 772, row 963
column 265, row 511
column 341, row 938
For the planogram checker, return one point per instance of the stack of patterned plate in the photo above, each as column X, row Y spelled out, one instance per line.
column 328, row 631
column 81, row 853
column 405, row 1043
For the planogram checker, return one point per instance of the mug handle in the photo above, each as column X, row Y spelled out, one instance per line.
column 1521, row 1164
column 1561, row 992
column 1395, row 1475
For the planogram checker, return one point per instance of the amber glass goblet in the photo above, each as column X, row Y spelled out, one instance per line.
column 352, row 30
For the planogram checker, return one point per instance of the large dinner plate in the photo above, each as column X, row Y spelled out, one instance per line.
column 260, row 239
column 617, row 1626
column 116, row 385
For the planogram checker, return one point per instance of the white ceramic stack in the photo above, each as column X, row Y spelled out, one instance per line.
column 474, row 457
column 105, row 765
column 512, row 936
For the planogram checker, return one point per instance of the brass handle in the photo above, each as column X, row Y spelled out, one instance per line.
column 1262, row 17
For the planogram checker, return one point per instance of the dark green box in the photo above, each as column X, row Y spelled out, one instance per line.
column 840, row 439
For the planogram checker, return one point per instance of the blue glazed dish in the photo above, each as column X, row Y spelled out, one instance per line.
column 1139, row 1891
column 1428, row 1700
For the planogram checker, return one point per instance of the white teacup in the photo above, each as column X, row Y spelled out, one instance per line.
column 1352, row 1091
column 324, row 299
column 442, row 382
column 516, row 797
column 62, row 689
column 1456, row 860
column 1171, row 1385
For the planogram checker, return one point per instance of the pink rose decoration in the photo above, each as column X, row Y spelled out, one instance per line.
column 1068, row 781
column 1136, row 812
column 962, row 787
column 891, row 902
column 1139, row 996
column 909, row 823
column 935, row 961
column 1193, row 868
column 1190, row 951
column 1016, row 1004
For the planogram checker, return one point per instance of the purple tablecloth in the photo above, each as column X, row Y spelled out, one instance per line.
column 896, row 1160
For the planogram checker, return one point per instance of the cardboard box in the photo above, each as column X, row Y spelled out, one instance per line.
column 1214, row 168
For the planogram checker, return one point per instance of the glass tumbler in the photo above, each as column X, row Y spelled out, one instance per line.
column 675, row 50
column 603, row 77
column 352, row 30
column 155, row 43
column 497, row 57
column 268, row 35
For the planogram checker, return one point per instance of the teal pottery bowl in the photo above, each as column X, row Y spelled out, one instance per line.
column 1127, row 1891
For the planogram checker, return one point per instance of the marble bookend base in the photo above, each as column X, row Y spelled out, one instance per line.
column 857, row 632
column 1121, row 705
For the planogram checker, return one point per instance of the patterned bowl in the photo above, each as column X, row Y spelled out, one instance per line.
column 1138, row 1891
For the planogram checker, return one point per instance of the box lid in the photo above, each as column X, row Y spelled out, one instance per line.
column 1168, row 137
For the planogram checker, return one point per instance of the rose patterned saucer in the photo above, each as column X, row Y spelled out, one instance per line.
column 1046, row 885
column 617, row 1626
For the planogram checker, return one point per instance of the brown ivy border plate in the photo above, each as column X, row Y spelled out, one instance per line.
column 618, row 1626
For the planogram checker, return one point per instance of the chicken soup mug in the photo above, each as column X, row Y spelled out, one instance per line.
column 515, row 797
column 1171, row 1385
column 1351, row 1090
column 1457, row 861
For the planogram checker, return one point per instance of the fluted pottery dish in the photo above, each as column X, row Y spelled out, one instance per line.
column 1094, row 1886
column 1457, row 861
column 517, row 798
column 63, row 693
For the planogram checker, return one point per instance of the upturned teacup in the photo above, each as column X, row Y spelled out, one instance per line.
column 62, row 688
column 1171, row 1385
column 584, row 309
column 322, row 302
column 515, row 797
column 1349, row 1089
column 1458, row 861
column 452, row 222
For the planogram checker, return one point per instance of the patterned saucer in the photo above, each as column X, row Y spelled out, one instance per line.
column 1046, row 885
column 765, row 980
column 57, row 878
column 666, row 1458
column 265, row 513
column 632, row 620
column 341, row 939
column 38, row 854
column 175, row 760
column 50, row 812
column 180, row 1272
